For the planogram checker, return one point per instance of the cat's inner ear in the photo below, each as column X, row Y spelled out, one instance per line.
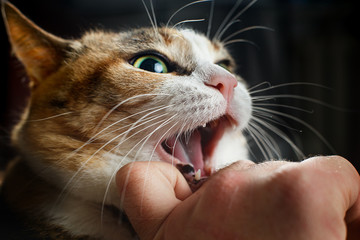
column 41, row 53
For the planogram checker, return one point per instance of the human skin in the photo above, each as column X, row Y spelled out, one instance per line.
column 317, row 198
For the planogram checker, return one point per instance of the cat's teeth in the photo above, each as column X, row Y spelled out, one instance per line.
column 197, row 175
column 204, row 125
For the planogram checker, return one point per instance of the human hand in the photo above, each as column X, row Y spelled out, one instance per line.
column 314, row 199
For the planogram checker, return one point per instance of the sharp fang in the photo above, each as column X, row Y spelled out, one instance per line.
column 197, row 175
column 204, row 125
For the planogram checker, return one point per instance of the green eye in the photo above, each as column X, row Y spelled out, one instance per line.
column 151, row 63
column 225, row 64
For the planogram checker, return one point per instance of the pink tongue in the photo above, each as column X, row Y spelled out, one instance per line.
column 189, row 151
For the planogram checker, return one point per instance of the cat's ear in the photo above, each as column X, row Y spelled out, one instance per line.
column 41, row 53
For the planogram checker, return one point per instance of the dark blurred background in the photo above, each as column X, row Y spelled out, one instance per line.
column 312, row 42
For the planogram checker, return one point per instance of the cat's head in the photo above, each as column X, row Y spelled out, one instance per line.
column 108, row 99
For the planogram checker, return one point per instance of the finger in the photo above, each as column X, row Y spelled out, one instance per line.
column 149, row 192
column 342, row 187
column 240, row 165
column 342, row 177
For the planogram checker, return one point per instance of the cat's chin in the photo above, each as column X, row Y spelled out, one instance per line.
column 197, row 146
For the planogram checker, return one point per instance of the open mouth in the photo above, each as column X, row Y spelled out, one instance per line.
column 196, row 147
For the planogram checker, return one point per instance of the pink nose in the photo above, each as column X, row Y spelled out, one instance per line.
column 225, row 84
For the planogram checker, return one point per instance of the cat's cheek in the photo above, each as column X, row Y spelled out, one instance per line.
column 231, row 148
column 241, row 106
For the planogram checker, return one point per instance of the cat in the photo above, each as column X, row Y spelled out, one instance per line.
column 109, row 99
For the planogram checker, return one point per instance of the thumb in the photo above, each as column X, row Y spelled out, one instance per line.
column 149, row 192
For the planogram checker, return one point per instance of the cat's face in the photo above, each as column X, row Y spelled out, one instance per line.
column 108, row 99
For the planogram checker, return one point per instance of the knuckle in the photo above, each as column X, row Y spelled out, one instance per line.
column 293, row 185
column 223, row 186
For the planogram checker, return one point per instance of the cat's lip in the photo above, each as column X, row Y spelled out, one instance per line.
column 198, row 147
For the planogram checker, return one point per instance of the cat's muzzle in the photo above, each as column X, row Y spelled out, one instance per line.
column 196, row 147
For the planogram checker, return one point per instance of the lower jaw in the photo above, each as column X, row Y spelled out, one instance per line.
column 165, row 157
column 208, row 137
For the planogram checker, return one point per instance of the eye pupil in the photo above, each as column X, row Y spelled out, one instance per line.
column 151, row 63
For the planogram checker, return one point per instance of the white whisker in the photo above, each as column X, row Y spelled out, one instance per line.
column 226, row 19
column 226, row 28
column 241, row 41
column 233, row 20
column 145, row 139
column 259, row 99
column 154, row 16
column 117, row 122
column 258, row 85
column 124, row 136
column 256, row 99
column 151, row 156
column 269, row 142
column 301, row 122
column 139, row 121
column 268, row 147
column 211, row 16
column 176, row 141
column 256, row 139
column 245, row 30
column 47, row 118
column 290, row 84
column 248, row 147
column 274, row 119
column 102, row 147
column 149, row 15
column 188, row 21
column 142, row 122
column 284, row 106
column 123, row 102
column 282, row 135
column 183, row 7
column 83, row 164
